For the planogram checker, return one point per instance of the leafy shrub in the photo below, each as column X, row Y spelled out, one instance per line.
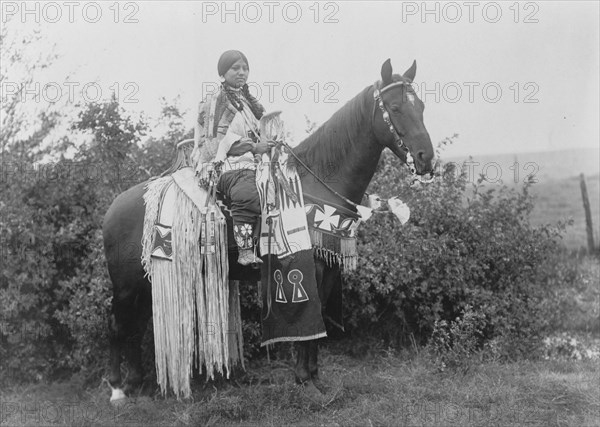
column 454, row 344
column 465, row 245
column 54, row 287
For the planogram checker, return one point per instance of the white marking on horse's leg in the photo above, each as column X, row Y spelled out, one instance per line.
column 117, row 394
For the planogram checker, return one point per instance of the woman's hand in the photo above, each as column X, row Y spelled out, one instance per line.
column 217, row 167
column 241, row 146
column 263, row 147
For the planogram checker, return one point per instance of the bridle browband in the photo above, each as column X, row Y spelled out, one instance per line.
column 410, row 162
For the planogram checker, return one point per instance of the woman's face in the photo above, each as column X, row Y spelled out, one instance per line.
column 237, row 75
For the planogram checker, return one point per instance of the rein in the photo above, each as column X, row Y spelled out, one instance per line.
column 397, row 139
column 344, row 198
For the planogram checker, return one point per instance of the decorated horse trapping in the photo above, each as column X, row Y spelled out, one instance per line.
column 333, row 232
column 291, row 308
column 196, row 309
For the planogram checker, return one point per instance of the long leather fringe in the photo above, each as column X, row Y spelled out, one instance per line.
column 340, row 251
column 196, row 315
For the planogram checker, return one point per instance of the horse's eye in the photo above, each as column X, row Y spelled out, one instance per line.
column 395, row 108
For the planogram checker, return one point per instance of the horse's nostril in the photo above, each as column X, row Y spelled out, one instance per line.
column 424, row 157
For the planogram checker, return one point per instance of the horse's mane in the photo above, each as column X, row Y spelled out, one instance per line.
column 327, row 146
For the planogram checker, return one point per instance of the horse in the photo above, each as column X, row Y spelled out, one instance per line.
column 387, row 114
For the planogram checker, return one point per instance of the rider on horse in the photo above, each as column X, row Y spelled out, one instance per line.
column 226, row 142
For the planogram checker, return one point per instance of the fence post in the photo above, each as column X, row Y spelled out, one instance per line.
column 588, row 214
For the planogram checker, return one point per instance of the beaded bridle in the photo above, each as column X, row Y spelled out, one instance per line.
column 410, row 162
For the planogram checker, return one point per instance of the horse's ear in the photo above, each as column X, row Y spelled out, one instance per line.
column 386, row 73
column 410, row 73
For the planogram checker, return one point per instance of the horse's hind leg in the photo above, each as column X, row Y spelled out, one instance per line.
column 134, row 338
column 128, row 324
column 114, row 378
column 122, row 321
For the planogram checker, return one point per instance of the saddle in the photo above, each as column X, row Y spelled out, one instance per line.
column 331, row 228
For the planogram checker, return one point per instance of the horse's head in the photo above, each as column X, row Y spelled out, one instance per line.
column 398, row 119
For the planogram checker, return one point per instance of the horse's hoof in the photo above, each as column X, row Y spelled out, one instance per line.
column 313, row 393
column 301, row 381
column 320, row 385
column 117, row 396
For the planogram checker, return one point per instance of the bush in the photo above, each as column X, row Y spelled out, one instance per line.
column 465, row 245
column 454, row 344
column 54, row 287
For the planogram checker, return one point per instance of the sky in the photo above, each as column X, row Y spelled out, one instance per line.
column 507, row 77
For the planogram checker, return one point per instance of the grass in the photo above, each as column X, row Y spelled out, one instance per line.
column 383, row 388
column 561, row 200
column 374, row 386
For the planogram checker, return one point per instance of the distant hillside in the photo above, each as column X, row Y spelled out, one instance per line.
column 557, row 191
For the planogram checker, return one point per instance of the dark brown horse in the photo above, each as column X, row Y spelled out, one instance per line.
column 344, row 152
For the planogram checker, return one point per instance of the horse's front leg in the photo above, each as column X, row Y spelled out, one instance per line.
column 307, row 372
column 313, row 356
column 301, row 370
